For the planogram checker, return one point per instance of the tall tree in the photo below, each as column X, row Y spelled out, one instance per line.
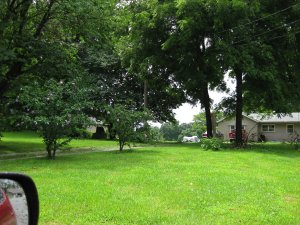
column 259, row 62
column 141, row 51
column 55, row 110
column 192, row 48
column 174, row 41
column 41, row 38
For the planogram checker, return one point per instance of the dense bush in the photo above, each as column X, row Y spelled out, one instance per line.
column 212, row 143
column 176, row 131
column 296, row 143
column 155, row 135
column 129, row 125
column 180, row 137
column 148, row 134
column 295, row 140
column 170, row 131
column 82, row 133
column 56, row 110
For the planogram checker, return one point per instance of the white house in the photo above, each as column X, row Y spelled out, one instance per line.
column 272, row 127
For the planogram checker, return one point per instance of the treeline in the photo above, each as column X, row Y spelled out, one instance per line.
column 63, row 62
column 195, row 43
column 174, row 131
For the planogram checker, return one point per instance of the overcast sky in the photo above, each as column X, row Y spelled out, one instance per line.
column 186, row 112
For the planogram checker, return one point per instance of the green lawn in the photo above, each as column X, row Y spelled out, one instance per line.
column 169, row 184
column 24, row 142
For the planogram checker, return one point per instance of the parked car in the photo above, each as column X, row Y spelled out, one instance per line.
column 232, row 135
column 11, row 213
column 7, row 214
column 190, row 139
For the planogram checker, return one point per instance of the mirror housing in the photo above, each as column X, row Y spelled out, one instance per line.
column 31, row 194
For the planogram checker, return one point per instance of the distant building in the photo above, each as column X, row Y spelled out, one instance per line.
column 270, row 127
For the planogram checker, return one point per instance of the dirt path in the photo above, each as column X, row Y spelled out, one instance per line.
column 43, row 154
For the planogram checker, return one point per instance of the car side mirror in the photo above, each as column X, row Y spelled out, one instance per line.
column 19, row 202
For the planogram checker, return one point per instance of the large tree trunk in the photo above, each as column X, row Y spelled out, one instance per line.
column 205, row 101
column 49, row 153
column 44, row 20
column 121, row 145
column 214, row 123
column 54, row 153
column 51, row 147
column 239, row 107
column 49, row 150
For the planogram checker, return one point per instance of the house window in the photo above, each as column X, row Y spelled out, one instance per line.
column 290, row 128
column 232, row 128
column 268, row 128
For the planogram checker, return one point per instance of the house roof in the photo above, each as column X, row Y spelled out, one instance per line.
column 244, row 115
column 262, row 118
column 288, row 118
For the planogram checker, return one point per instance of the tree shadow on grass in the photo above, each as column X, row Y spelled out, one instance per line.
column 280, row 149
column 138, row 151
column 276, row 148
column 96, row 162
column 105, row 154
column 20, row 147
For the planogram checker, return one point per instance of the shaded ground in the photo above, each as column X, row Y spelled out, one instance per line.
column 30, row 145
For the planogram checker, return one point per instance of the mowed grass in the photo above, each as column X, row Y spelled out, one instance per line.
column 168, row 184
column 24, row 142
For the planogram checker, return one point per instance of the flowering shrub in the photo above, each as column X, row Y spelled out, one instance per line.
column 56, row 111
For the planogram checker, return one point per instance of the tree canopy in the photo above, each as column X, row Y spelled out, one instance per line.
column 153, row 55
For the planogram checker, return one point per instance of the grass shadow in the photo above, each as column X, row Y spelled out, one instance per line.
column 275, row 148
column 96, row 162
column 20, row 147
column 280, row 149
column 138, row 151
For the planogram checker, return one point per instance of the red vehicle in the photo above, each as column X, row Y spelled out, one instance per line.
column 7, row 214
column 232, row 135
